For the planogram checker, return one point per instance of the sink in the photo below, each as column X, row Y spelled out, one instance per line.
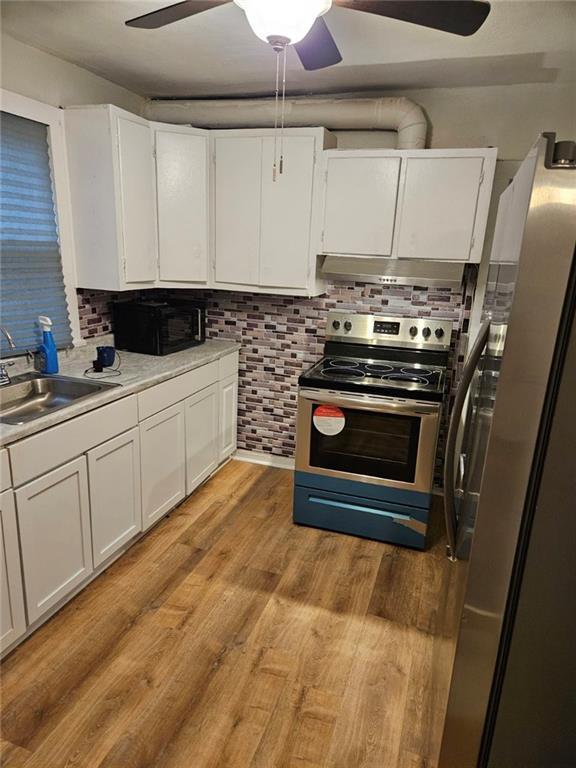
column 33, row 395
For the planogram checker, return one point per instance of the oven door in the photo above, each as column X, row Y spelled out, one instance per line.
column 380, row 440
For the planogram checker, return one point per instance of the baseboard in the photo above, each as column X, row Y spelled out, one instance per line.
column 268, row 459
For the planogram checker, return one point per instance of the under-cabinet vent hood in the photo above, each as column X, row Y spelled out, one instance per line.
column 385, row 271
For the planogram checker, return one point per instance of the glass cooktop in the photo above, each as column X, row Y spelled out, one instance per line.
column 341, row 372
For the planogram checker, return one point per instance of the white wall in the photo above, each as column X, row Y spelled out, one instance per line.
column 509, row 117
column 41, row 76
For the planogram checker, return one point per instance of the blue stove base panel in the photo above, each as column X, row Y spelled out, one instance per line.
column 361, row 509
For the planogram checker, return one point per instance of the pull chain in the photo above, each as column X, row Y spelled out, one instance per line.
column 275, row 166
column 283, row 112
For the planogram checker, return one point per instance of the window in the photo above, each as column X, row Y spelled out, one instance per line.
column 31, row 269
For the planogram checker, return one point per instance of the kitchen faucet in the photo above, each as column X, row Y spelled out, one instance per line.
column 4, row 378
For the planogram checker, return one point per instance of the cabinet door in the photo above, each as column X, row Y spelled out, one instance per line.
column 438, row 206
column 13, row 616
column 115, row 498
column 228, row 416
column 237, row 209
column 182, row 179
column 54, row 521
column 138, row 200
column 286, row 213
column 361, row 195
column 521, row 189
column 201, row 418
column 502, row 223
column 162, row 451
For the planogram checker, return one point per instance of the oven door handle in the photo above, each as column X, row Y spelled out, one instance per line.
column 366, row 403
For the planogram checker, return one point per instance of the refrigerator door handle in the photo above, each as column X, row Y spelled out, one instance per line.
column 461, row 474
column 451, row 442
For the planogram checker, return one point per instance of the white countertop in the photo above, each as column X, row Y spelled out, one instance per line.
column 138, row 372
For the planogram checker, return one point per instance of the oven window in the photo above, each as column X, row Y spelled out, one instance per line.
column 373, row 444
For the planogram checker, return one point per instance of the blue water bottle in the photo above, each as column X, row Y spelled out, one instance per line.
column 47, row 350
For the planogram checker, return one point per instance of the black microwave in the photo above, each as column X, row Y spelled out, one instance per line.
column 158, row 327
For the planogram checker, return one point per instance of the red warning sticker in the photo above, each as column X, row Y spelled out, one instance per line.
column 329, row 420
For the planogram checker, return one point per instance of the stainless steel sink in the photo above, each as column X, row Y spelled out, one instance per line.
column 33, row 395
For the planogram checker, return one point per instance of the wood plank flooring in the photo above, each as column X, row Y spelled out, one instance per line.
column 230, row 638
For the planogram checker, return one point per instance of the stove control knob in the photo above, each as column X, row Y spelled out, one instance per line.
column 439, row 332
column 347, row 325
column 426, row 332
column 336, row 324
column 413, row 331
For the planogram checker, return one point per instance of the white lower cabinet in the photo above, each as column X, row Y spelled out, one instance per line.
column 57, row 528
column 13, row 617
column 115, row 497
column 54, row 520
column 163, row 458
column 228, row 419
column 201, row 417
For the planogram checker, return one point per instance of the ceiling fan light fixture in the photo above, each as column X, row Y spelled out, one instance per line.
column 289, row 19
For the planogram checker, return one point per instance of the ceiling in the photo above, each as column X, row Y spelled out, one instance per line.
column 216, row 54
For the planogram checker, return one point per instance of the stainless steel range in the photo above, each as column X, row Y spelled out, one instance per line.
column 368, row 419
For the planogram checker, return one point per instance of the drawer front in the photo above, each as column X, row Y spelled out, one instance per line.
column 358, row 517
column 5, row 474
column 174, row 390
column 228, row 366
column 40, row 453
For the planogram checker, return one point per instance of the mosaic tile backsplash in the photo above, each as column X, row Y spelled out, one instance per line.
column 283, row 335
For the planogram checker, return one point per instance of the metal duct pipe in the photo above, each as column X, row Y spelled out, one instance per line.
column 336, row 113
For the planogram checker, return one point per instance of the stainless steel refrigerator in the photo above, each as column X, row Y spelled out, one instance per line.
column 510, row 488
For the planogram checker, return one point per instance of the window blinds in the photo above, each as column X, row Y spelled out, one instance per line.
column 31, row 278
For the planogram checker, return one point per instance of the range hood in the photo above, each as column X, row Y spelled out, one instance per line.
column 386, row 271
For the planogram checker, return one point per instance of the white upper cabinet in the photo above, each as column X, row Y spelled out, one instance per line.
column 237, row 201
column 182, row 156
column 360, row 207
column 408, row 204
column 266, row 231
column 137, row 198
column 286, row 212
column 443, row 204
column 512, row 213
column 113, row 195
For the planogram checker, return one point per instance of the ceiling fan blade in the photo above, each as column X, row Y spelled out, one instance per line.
column 171, row 13
column 460, row 17
column 318, row 49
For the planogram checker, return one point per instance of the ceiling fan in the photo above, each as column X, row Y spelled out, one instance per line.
column 300, row 23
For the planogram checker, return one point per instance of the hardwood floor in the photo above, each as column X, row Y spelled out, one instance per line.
column 230, row 638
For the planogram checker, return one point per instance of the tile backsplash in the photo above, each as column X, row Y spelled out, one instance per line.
column 283, row 335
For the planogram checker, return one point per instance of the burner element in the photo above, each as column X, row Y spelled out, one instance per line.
column 378, row 368
column 342, row 373
column 408, row 377
column 344, row 363
column 417, row 371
